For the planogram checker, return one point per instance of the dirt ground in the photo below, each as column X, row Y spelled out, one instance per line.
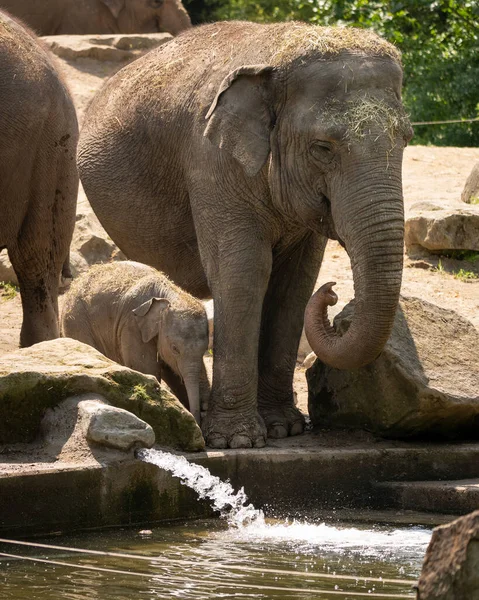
column 430, row 174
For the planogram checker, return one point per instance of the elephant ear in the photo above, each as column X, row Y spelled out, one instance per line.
column 240, row 118
column 148, row 317
column 115, row 6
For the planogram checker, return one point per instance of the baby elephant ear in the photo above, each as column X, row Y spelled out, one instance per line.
column 240, row 117
column 148, row 316
column 115, row 6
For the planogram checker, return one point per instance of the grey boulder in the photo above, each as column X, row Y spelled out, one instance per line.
column 425, row 382
column 7, row 274
column 114, row 427
column 435, row 228
column 470, row 193
column 451, row 566
column 90, row 244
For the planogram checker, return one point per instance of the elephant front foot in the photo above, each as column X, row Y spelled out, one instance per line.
column 282, row 421
column 223, row 430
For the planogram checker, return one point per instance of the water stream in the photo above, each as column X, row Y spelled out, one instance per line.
column 233, row 506
column 241, row 556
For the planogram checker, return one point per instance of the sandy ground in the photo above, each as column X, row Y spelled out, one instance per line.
column 430, row 174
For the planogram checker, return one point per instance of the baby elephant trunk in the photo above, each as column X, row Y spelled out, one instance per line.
column 192, row 385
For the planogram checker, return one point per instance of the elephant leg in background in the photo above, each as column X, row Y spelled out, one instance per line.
column 294, row 273
column 39, row 252
column 238, row 271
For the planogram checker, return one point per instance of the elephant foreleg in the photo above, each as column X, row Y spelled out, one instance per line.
column 295, row 270
column 238, row 269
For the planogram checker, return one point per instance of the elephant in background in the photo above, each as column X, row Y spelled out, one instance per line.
column 226, row 159
column 38, row 175
column 135, row 316
column 55, row 17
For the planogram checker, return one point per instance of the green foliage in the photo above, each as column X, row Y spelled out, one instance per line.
column 468, row 255
column 8, row 291
column 439, row 40
column 464, row 275
column 140, row 393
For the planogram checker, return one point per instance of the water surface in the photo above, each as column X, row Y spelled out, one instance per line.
column 208, row 560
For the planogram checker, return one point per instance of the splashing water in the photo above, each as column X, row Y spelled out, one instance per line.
column 231, row 505
column 248, row 525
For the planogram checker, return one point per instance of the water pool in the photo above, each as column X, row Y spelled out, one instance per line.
column 208, row 560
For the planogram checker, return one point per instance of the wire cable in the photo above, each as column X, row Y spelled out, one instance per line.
column 209, row 564
column 446, row 122
column 171, row 579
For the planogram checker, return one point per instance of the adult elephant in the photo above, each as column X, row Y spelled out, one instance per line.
column 55, row 17
column 38, row 175
column 227, row 158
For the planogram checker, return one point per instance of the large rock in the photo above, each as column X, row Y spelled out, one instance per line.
column 434, row 227
column 105, row 47
column 7, row 274
column 114, row 427
column 470, row 193
column 40, row 377
column 90, row 244
column 87, row 425
column 451, row 566
column 426, row 380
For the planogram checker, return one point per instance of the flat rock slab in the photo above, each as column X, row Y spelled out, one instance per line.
column 105, row 47
column 456, row 497
column 40, row 377
column 436, row 227
column 451, row 566
column 425, row 382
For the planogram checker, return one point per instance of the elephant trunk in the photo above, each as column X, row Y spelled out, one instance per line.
column 192, row 385
column 374, row 240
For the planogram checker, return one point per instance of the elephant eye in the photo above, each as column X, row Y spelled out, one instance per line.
column 175, row 349
column 156, row 3
column 322, row 151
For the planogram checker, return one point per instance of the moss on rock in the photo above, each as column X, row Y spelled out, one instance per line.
column 40, row 377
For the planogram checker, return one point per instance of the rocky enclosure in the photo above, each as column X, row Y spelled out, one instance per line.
column 433, row 178
column 40, row 377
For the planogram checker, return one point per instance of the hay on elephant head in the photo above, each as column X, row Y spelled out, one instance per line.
column 361, row 113
column 296, row 39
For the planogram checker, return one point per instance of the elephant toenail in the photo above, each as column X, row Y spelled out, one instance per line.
column 259, row 442
column 240, row 441
column 277, row 431
column 297, row 428
column 218, row 442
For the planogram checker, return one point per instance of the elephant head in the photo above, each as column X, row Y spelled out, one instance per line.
column 149, row 16
column 327, row 132
column 182, row 340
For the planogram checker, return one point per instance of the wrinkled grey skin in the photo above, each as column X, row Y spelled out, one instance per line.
column 38, row 175
column 56, row 17
column 135, row 316
column 227, row 158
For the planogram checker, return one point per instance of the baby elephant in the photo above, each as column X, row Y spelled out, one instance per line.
column 136, row 316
